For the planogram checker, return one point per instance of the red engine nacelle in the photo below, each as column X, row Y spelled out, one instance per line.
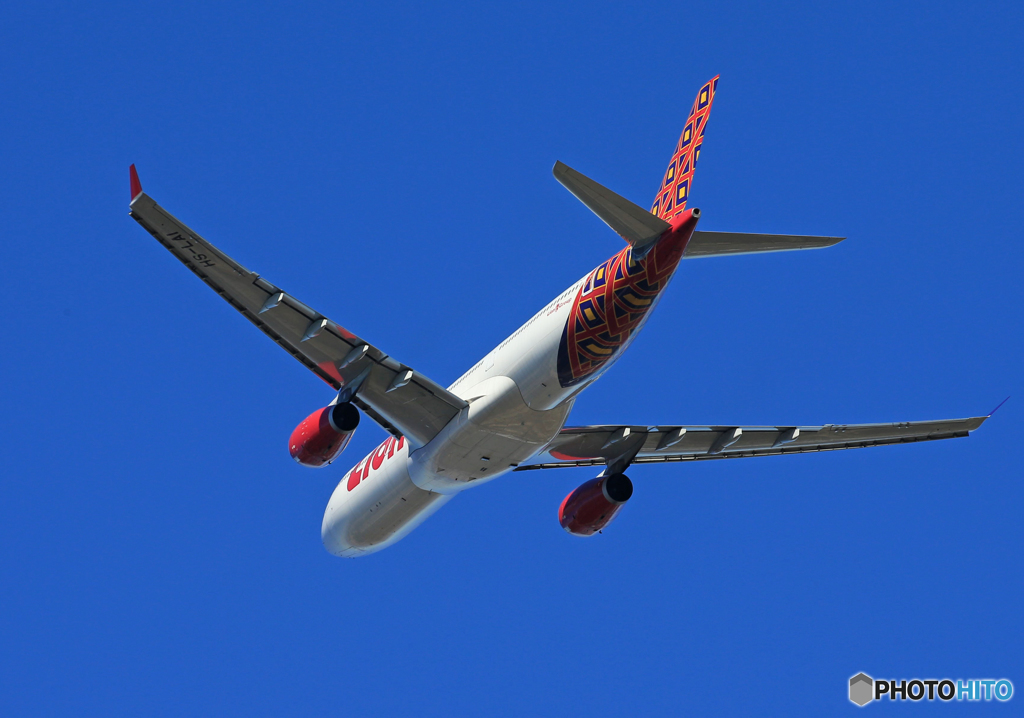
column 593, row 505
column 323, row 435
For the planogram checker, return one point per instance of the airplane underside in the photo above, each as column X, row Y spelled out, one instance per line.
column 396, row 492
column 508, row 412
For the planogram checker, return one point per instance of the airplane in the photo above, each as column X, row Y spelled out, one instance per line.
column 508, row 412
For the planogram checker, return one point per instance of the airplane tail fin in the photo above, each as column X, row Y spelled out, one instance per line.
column 678, row 180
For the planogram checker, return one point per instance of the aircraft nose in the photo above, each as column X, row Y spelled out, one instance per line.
column 329, row 532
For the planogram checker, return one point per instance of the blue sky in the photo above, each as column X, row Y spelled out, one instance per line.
column 390, row 166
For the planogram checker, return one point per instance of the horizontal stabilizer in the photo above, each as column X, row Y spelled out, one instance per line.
column 713, row 244
column 631, row 222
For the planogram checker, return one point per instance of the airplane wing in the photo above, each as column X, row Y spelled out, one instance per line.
column 623, row 445
column 714, row 244
column 397, row 397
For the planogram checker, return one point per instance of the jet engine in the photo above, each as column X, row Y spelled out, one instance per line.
column 593, row 505
column 321, row 437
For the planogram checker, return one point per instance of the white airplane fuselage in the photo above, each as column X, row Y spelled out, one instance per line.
column 508, row 408
column 508, row 412
column 518, row 399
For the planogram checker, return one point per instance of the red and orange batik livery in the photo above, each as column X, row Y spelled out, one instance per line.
column 678, row 180
column 610, row 306
column 615, row 299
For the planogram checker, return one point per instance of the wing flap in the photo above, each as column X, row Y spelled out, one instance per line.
column 400, row 399
column 589, row 445
column 714, row 244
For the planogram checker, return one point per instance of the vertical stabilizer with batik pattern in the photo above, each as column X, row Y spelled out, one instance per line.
column 678, row 180
column 617, row 297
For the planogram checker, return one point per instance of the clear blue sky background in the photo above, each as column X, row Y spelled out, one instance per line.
column 390, row 165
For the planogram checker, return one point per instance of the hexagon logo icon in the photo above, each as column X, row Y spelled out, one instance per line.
column 861, row 689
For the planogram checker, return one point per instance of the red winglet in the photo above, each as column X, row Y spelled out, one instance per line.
column 136, row 185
